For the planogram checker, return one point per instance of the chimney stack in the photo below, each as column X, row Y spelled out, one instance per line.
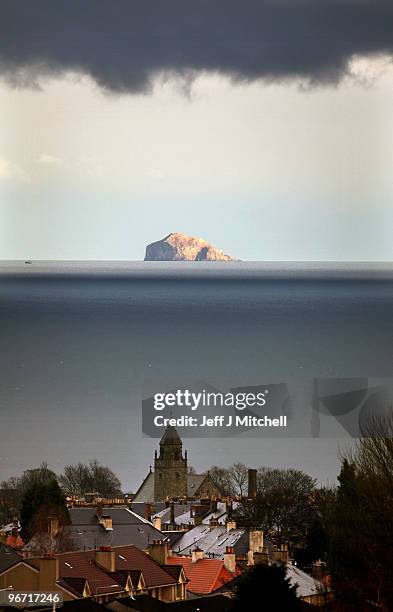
column 230, row 559
column 197, row 554
column 106, row 522
column 105, row 557
column 157, row 522
column 231, row 524
column 198, row 520
column 48, row 572
column 255, row 540
column 261, row 557
column 172, row 521
column 159, row 551
column 252, row 483
column 281, row 555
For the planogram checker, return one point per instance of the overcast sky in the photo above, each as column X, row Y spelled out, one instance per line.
column 264, row 127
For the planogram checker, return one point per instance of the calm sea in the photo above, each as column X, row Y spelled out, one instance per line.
column 78, row 340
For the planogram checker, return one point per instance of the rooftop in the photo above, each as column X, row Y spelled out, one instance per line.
column 205, row 575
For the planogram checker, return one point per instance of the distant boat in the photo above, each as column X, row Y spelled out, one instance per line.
column 28, row 261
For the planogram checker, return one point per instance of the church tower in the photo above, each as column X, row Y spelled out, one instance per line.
column 170, row 467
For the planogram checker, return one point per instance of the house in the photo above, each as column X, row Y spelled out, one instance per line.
column 102, row 574
column 206, row 576
column 171, row 478
column 11, row 535
column 186, row 515
column 93, row 527
column 213, row 538
column 309, row 589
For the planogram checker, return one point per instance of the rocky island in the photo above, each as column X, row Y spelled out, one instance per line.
column 179, row 247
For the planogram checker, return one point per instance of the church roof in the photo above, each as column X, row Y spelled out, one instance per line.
column 171, row 437
column 145, row 492
column 194, row 482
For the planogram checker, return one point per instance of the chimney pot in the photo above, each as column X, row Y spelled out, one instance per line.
column 230, row 559
column 252, row 483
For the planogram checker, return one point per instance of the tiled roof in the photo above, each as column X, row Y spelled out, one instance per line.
column 183, row 514
column 205, row 575
column 181, row 511
column 131, row 558
column 306, row 585
column 127, row 558
column 213, row 541
column 86, row 533
column 82, row 565
column 119, row 516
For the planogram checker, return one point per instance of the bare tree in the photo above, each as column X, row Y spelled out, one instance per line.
column 75, row 479
column 238, row 474
column 221, row 479
column 104, row 481
column 283, row 507
column 80, row 478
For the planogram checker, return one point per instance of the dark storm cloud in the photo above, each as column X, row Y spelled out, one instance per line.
column 124, row 44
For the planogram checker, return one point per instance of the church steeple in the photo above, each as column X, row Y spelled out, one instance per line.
column 170, row 467
column 171, row 446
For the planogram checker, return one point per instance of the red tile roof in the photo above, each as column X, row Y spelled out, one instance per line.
column 205, row 575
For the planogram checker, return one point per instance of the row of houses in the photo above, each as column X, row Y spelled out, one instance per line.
column 108, row 545
column 112, row 572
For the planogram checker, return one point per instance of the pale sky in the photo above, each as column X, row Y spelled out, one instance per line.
column 266, row 169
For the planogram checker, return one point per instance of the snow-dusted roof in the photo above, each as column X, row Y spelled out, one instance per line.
column 212, row 540
column 307, row 585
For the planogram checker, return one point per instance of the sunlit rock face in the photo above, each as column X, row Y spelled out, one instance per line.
column 179, row 247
